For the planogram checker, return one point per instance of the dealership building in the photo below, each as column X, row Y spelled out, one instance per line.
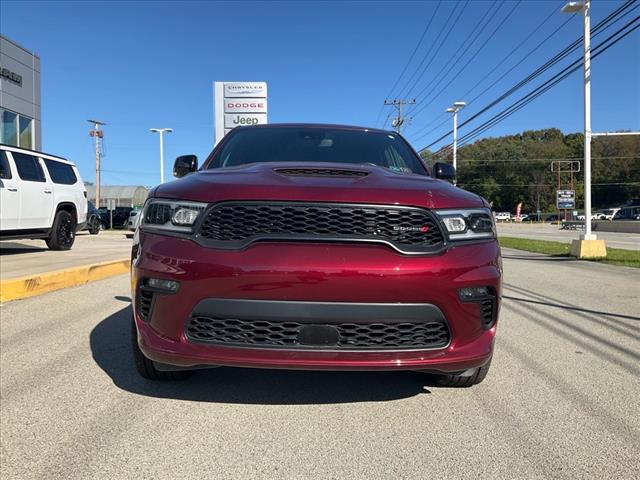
column 19, row 96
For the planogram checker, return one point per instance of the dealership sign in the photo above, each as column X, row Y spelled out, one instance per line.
column 11, row 76
column 238, row 104
column 566, row 199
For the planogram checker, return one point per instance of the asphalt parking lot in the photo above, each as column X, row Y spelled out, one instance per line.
column 561, row 400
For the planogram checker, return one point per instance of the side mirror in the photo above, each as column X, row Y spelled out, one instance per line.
column 444, row 171
column 185, row 164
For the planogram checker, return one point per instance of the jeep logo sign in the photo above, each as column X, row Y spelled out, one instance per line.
column 238, row 104
column 244, row 119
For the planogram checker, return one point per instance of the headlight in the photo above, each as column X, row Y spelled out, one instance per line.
column 468, row 224
column 173, row 215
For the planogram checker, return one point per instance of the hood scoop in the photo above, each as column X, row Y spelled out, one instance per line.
column 320, row 172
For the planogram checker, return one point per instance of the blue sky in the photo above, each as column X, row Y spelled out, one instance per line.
column 137, row 65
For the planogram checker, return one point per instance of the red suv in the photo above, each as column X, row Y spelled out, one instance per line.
column 315, row 247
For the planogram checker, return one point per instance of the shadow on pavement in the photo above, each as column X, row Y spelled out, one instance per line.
column 13, row 248
column 110, row 347
column 569, row 307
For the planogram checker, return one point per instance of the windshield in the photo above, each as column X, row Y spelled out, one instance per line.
column 317, row 144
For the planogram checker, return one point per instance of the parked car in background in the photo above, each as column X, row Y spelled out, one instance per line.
column 503, row 217
column 609, row 213
column 552, row 218
column 41, row 196
column 120, row 217
column 94, row 222
column 628, row 213
column 134, row 219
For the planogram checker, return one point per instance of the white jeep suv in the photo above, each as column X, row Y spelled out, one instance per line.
column 41, row 196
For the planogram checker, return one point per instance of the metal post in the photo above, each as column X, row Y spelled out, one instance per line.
column 161, row 131
column 97, row 139
column 161, row 157
column 97, row 134
column 455, row 141
column 587, row 121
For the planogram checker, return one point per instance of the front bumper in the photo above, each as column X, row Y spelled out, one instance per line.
column 289, row 276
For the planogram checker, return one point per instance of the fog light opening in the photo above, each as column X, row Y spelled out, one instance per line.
column 170, row 286
column 471, row 294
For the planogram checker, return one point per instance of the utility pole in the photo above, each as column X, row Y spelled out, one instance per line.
column 400, row 120
column 455, row 108
column 97, row 135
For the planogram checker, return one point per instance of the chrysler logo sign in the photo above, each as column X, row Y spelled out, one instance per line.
column 242, row 89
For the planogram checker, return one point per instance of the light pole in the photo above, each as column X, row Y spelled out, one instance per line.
column 588, row 246
column 457, row 106
column 161, row 131
column 585, row 7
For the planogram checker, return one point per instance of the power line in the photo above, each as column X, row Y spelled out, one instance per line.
column 495, row 67
column 436, row 51
column 435, row 12
column 543, row 68
column 563, row 74
column 462, row 48
column 472, row 58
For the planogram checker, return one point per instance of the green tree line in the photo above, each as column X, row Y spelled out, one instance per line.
column 517, row 168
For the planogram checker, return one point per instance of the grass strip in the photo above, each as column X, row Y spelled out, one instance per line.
column 615, row 256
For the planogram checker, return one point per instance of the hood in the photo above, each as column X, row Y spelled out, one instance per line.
column 318, row 182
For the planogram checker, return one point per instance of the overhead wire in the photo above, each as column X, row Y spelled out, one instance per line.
column 424, row 32
column 435, row 51
column 613, row 17
column 423, row 106
column 560, row 76
column 495, row 67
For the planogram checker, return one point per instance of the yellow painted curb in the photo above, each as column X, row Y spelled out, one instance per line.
column 39, row 283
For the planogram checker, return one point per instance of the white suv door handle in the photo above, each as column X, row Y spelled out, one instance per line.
column 12, row 189
column 47, row 191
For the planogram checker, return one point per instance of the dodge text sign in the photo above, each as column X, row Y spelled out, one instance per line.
column 245, row 105
column 238, row 104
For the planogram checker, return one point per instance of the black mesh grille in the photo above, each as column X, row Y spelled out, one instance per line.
column 145, row 302
column 320, row 172
column 235, row 224
column 274, row 334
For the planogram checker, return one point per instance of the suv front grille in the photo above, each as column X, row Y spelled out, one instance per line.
column 235, row 225
column 355, row 336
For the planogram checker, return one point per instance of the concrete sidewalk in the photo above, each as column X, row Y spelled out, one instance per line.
column 28, row 268
column 20, row 258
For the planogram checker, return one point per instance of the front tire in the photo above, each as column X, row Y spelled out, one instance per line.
column 458, row 381
column 146, row 367
column 63, row 232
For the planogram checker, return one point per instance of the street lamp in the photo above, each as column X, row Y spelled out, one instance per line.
column 455, row 108
column 585, row 7
column 161, row 131
column 582, row 248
